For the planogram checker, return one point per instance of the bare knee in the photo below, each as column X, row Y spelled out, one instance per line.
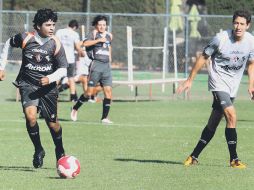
column 230, row 115
column 55, row 126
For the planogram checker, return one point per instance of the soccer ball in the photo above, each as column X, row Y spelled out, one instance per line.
column 68, row 167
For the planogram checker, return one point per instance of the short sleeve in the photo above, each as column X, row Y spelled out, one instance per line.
column 16, row 41
column 212, row 46
column 60, row 58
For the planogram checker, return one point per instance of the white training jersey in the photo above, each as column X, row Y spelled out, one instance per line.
column 68, row 38
column 229, row 58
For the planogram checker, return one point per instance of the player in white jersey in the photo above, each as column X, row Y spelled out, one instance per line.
column 71, row 42
column 230, row 51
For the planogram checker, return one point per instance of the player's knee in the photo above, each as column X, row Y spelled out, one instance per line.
column 31, row 122
column 230, row 115
column 55, row 126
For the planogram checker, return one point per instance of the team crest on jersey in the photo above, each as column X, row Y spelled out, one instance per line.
column 38, row 57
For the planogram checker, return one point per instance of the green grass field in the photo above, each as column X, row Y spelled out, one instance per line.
column 143, row 149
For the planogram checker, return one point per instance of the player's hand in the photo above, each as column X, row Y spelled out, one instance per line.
column 251, row 93
column 185, row 86
column 44, row 81
column 102, row 39
column 2, row 75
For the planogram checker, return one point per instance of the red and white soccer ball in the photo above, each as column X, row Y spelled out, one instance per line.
column 68, row 167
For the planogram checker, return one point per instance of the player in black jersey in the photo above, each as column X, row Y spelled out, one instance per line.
column 99, row 43
column 43, row 63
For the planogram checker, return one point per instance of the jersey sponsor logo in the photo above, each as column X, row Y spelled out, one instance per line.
column 40, row 51
column 102, row 52
column 38, row 67
column 235, row 68
column 38, row 57
column 236, row 52
column 223, row 102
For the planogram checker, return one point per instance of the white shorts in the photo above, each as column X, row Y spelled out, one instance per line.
column 82, row 67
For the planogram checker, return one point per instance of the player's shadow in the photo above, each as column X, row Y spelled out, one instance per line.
column 148, row 161
column 22, row 168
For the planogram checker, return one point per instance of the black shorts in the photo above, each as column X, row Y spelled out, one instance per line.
column 44, row 98
column 221, row 100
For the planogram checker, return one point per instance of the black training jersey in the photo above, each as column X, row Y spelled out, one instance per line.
column 100, row 50
column 38, row 59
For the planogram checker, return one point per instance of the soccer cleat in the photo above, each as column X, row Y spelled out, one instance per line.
column 38, row 158
column 74, row 114
column 91, row 100
column 59, row 153
column 237, row 164
column 106, row 121
column 191, row 160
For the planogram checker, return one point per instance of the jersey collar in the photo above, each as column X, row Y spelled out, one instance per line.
column 40, row 40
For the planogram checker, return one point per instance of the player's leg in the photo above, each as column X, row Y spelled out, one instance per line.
column 72, row 85
column 30, row 102
column 34, row 134
column 106, row 104
column 93, row 80
column 63, row 84
column 94, row 97
column 106, row 82
column 231, row 137
column 208, row 132
column 49, row 109
column 56, row 133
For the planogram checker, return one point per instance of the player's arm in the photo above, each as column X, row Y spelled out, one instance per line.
column 81, row 53
column 251, row 78
column 55, row 76
column 3, row 59
column 15, row 41
column 61, row 70
column 88, row 43
column 110, row 48
column 186, row 85
column 210, row 49
column 90, row 40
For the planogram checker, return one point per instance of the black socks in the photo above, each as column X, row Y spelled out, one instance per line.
column 34, row 135
column 231, row 137
column 106, row 108
column 80, row 101
column 205, row 138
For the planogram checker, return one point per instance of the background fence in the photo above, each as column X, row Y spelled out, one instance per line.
column 147, row 30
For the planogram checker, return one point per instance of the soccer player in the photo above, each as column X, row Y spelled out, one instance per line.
column 229, row 50
column 43, row 63
column 99, row 41
column 71, row 42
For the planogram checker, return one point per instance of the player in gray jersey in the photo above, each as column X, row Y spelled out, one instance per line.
column 230, row 51
column 43, row 63
column 99, row 43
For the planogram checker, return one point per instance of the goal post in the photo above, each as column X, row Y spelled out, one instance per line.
column 164, row 48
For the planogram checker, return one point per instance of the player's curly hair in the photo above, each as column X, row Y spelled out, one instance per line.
column 44, row 15
column 242, row 13
column 99, row 18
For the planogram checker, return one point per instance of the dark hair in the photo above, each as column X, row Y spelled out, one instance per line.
column 99, row 18
column 242, row 13
column 44, row 15
column 73, row 23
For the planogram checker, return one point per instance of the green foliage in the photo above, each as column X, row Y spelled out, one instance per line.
column 227, row 7
column 99, row 6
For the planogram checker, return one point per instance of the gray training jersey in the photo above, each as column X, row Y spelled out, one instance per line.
column 228, row 61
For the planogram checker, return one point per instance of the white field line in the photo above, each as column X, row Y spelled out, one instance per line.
column 78, row 123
